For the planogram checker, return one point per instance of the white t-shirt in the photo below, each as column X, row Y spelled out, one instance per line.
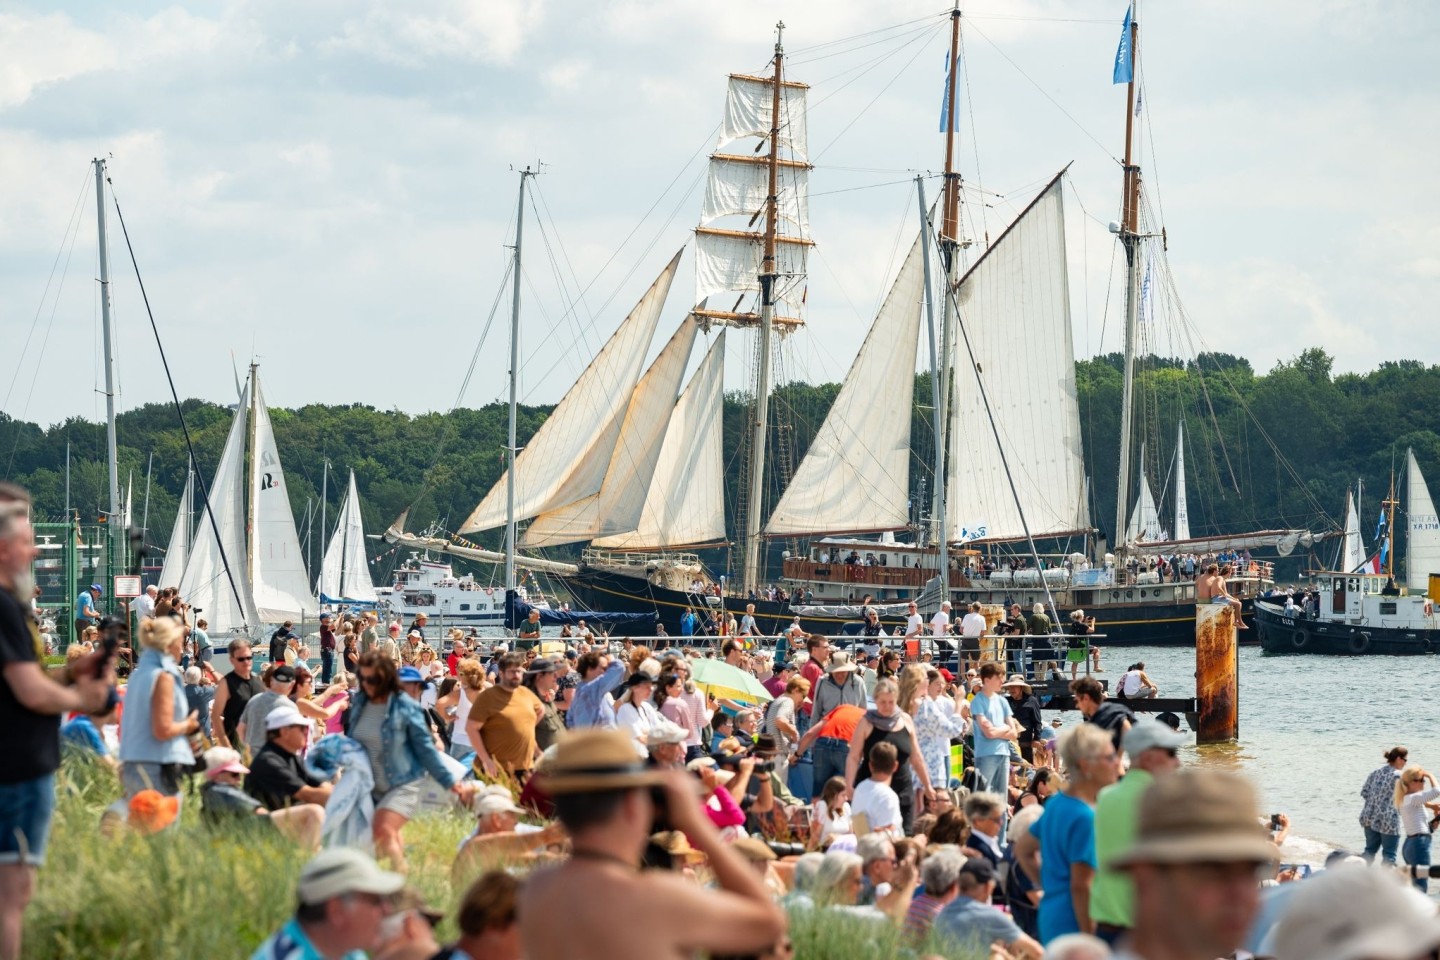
column 940, row 623
column 914, row 625
column 144, row 606
column 831, row 826
column 880, row 804
column 973, row 626
column 1131, row 683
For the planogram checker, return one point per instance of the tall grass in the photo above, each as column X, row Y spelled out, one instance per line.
column 191, row 892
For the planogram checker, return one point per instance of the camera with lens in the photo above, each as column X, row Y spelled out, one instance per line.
column 764, row 766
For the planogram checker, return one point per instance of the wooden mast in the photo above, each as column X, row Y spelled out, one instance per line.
column 1130, row 237
column 949, row 245
column 768, row 276
column 1389, row 545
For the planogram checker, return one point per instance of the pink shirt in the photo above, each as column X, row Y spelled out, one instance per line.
column 335, row 724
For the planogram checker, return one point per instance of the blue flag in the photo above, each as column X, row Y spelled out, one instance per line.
column 1125, row 55
column 1384, row 553
column 1379, row 525
column 945, row 100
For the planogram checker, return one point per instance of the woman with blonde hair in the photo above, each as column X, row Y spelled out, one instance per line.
column 1410, row 799
column 154, row 749
column 937, row 718
column 472, row 682
column 888, row 723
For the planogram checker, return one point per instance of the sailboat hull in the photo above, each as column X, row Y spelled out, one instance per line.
column 1121, row 623
column 1280, row 634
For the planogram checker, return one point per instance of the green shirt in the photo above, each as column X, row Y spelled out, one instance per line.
column 1112, row 897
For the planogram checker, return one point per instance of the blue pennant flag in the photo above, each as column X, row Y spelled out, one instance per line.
column 1384, row 553
column 1379, row 525
column 945, row 100
column 1125, row 55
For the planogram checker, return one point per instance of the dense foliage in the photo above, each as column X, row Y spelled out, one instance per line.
column 1262, row 450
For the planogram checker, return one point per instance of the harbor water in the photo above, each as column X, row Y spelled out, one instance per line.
column 1311, row 729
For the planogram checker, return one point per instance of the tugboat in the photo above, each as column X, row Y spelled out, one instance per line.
column 1364, row 611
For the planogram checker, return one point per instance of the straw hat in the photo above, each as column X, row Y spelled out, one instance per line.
column 1199, row 816
column 1016, row 681
column 1353, row 913
column 677, row 844
column 596, row 760
column 839, row 663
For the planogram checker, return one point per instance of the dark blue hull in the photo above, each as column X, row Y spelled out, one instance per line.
column 1281, row 634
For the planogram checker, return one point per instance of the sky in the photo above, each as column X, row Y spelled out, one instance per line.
column 330, row 187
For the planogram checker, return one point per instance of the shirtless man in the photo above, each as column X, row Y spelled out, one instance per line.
column 1210, row 588
column 602, row 796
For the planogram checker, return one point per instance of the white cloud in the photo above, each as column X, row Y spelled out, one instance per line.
column 415, row 32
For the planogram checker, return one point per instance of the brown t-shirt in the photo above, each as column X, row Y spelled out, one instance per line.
column 509, row 725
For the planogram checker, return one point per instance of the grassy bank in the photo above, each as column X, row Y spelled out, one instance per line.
column 191, row 893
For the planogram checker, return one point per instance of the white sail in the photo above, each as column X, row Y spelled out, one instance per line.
column 278, row 578
column 1015, row 307
column 567, row 457
column 729, row 261
column 1352, row 551
column 749, row 103
column 686, row 501
column 1422, row 530
column 856, row 475
column 1145, row 518
column 204, row 584
column 345, row 571
column 739, row 186
column 177, row 554
column 617, row 507
column 1182, row 509
column 127, row 513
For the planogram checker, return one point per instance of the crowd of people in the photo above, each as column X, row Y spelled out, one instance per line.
column 621, row 807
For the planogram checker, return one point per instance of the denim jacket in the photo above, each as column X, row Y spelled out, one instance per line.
column 137, row 742
column 409, row 749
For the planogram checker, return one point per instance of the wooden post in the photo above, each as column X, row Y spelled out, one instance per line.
column 1217, row 689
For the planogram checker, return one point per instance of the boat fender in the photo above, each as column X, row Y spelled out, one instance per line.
column 1300, row 640
column 1359, row 643
column 1429, row 608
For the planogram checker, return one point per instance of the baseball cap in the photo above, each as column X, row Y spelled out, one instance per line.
column 409, row 674
column 283, row 716
column 220, row 760
column 495, row 800
column 341, row 870
column 979, row 869
column 97, row 588
column 1147, row 734
column 283, row 674
column 665, row 732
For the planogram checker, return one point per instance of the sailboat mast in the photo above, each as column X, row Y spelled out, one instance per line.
column 1389, row 545
column 112, row 456
column 145, row 510
column 768, row 276
column 324, row 495
column 252, row 526
column 941, row 541
column 511, row 445
column 1130, row 237
column 950, row 244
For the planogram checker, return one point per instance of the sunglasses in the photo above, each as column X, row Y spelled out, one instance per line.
column 242, row 659
column 369, row 679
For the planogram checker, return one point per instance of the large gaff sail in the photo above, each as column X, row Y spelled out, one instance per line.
column 1015, row 307
column 177, row 554
column 567, row 458
column 345, row 572
column 1422, row 529
column 1352, row 551
column 856, row 475
column 618, row 505
column 204, row 584
column 277, row 567
column 1182, row 509
column 686, row 502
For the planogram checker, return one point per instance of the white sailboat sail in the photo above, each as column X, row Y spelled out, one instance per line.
column 1145, row 518
column 278, row 578
column 617, row 507
column 1352, row 551
column 177, row 554
column 1422, row 529
column 345, row 571
column 856, row 475
column 567, row 457
column 204, row 583
column 1015, row 305
column 685, row 505
column 1182, row 509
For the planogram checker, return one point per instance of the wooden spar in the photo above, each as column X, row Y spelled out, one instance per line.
column 1129, row 236
column 1217, row 689
column 1130, row 211
column 750, row 235
column 1390, row 531
column 950, row 227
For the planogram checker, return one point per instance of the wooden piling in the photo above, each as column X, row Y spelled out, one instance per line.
column 1217, row 690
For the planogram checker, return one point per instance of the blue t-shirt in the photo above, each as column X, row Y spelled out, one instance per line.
column 1066, row 831
column 966, row 920
column 81, row 735
column 84, row 606
column 290, row 943
column 687, row 625
column 996, row 709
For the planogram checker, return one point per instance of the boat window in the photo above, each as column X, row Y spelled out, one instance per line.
column 1387, row 609
column 464, row 606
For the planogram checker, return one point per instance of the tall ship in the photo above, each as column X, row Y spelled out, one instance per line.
column 646, row 494
column 1360, row 608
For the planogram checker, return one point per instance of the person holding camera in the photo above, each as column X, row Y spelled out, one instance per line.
column 156, row 751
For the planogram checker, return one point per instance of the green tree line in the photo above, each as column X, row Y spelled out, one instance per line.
column 1263, row 451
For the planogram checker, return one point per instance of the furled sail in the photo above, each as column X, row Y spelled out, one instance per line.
column 686, row 502
column 617, row 507
column 856, row 475
column 1422, row 530
column 177, row 554
column 279, row 580
column 1015, row 306
column 1182, row 509
column 345, row 571
column 1352, row 551
column 567, row 457
column 204, row 584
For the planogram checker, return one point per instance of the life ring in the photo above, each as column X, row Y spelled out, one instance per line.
column 489, row 591
column 1299, row 639
column 1359, row 643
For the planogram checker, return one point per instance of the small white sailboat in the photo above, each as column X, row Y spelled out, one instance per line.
column 177, row 554
column 345, row 570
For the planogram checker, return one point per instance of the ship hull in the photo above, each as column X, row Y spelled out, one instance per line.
column 1121, row 624
column 1280, row 634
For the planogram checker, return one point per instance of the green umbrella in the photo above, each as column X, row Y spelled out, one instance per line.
column 724, row 682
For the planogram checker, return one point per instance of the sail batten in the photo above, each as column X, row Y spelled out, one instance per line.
column 1014, row 303
column 1422, row 529
column 685, row 504
column 855, row 476
column 565, row 461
